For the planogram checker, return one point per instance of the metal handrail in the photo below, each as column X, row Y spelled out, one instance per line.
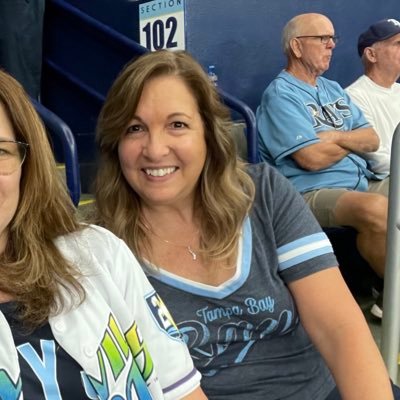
column 99, row 27
column 58, row 127
column 391, row 296
column 250, row 119
column 75, row 82
column 131, row 45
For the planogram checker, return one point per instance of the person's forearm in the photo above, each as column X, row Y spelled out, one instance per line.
column 197, row 394
column 338, row 329
column 355, row 363
column 319, row 156
column 359, row 141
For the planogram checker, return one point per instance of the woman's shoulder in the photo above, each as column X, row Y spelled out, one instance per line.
column 258, row 170
column 274, row 191
column 264, row 174
column 92, row 234
column 91, row 241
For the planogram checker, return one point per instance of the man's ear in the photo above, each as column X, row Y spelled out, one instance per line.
column 370, row 54
column 295, row 46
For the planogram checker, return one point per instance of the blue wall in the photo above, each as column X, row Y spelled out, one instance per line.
column 242, row 37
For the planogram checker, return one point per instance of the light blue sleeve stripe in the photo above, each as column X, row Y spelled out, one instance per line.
column 304, row 257
column 315, row 237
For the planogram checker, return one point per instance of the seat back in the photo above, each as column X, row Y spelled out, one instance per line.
column 57, row 127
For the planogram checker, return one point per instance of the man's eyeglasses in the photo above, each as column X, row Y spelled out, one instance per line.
column 12, row 155
column 324, row 38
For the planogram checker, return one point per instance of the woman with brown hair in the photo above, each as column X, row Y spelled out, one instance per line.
column 75, row 321
column 235, row 253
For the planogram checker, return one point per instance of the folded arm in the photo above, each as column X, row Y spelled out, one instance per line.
column 363, row 140
column 334, row 146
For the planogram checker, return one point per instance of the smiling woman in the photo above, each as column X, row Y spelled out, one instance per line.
column 233, row 250
column 163, row 150
column 61, row 334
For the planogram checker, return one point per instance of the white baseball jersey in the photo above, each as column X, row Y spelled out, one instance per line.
column 122, row 335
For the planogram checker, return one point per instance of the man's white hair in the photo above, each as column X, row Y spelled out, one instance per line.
column 290, row 31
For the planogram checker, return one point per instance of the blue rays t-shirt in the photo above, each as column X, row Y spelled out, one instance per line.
column 245, row 336
column 290, row 116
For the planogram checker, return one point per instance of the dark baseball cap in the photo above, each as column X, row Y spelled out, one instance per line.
column 381, row 30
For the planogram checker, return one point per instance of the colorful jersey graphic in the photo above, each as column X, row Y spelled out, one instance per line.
column 48, row 372
column 100, row 348
column 121, row 358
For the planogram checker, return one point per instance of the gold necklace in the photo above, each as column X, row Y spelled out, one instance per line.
column 187, row 247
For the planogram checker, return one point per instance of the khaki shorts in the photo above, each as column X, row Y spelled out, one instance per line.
column 322, row 202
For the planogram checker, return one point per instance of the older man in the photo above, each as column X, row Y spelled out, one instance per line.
column 312, row 132
column 376, row 92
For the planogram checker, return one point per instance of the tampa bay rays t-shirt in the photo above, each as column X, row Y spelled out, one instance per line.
column 245, row 335
column 47, row 371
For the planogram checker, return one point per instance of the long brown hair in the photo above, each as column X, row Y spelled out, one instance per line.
column 225, row 191
column 31, row 267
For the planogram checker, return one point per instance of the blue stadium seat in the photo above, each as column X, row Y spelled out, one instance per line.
column 60, row 130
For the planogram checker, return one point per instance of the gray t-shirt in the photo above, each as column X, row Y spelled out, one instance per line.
column 245, row 336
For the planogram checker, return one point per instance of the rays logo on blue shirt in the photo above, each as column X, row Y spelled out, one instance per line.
column 162, row 316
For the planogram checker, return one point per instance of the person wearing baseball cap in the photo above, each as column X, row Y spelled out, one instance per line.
column 377, row 93
column 378, row 32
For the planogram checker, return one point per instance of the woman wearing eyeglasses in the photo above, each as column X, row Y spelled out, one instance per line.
column 78, row 318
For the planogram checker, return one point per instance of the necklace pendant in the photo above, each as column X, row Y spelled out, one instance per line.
column 193, row 254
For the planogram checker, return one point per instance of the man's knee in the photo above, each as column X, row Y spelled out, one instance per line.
column 363, row 210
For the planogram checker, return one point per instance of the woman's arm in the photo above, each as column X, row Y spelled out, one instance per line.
column 197, row 394
column 338, row 329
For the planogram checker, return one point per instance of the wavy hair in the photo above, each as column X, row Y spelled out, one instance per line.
column 225, row 191
column 32, row 269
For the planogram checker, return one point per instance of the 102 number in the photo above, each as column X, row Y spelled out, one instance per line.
column 157, row 31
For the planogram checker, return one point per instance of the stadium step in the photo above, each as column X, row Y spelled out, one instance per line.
column 86, row 202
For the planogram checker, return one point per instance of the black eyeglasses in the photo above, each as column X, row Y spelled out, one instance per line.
column 324, row 38
column 12, row 155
